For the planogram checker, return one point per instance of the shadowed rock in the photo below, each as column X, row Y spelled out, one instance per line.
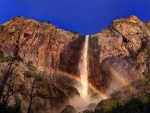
column 91, row 107
column 69, row 109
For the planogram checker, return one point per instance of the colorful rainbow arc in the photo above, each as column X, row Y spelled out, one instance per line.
column 120, row 79
column 101, row 93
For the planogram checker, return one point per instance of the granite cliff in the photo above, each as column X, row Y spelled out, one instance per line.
column 37, row 60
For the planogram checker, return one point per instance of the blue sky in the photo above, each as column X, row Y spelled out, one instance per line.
column 83, row 16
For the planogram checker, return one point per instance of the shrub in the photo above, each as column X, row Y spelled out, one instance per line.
column 37, row 77
column 32, row 68
column 111, row 105
column 143, row 98
column 132, row 106
column 4, row 59
column 28, row 74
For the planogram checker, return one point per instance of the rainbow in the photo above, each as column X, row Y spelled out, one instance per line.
column 101, row 93
column 120, row 79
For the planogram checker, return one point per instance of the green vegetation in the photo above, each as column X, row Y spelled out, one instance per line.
column 30, row 66
column 6, row 59
column 132, row 106
column 2, row 58
column 111, row 105
column 141, row 104
column 143, row 98
column 37, row 82
column 37, row 77
column 8, row 87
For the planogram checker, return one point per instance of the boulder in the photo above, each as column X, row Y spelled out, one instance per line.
column 69, row 109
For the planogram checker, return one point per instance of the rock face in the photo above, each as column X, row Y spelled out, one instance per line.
column 39, row 45
column 91, row 107
column 69, row 109
column 40, row 49
column 123, row 48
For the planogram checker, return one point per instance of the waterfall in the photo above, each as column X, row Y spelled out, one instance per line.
column 81, row 103
column 83, row 70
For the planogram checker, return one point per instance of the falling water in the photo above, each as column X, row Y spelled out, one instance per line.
column 83, row 70
column 81, row 103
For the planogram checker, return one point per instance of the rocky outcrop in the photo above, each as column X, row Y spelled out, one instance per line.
column 91, row 107
column 122, row 48
column 68, row 90
column 39, row 42
column 69, row 109
column 148, row 24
